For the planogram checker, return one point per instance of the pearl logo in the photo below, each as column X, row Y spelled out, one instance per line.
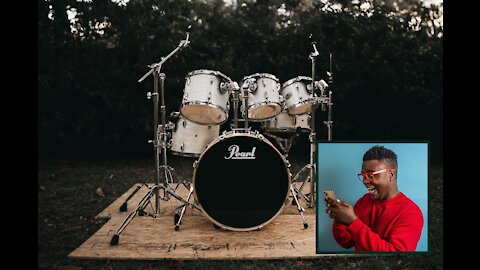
column 236, row 154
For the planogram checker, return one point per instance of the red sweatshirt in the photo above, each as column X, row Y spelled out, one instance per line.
column 391, row 225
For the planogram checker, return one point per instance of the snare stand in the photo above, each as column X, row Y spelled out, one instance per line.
column 160, row 140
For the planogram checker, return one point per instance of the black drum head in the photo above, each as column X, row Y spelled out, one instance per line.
column 241, row 182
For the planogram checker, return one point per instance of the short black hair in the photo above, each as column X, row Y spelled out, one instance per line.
column 379, row 152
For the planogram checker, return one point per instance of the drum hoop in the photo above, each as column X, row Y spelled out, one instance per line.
column 206, row 104
column 208, row 72
column 261, row 75
column 298, row 105
column 183, row 154
column 255, row 135
column 281, row 129
column 296, row 79
column 258, row 104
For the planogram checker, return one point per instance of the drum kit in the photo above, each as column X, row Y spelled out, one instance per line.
column 241, row 181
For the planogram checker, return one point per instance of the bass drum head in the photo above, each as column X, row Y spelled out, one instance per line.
column 241, row 181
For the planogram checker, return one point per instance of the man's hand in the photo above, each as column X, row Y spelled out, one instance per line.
column 341, row 211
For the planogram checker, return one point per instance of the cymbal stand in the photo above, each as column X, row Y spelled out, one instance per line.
column 296, row 192
column 160, row 145
column 312, row 136
column 329, row 121
column 323, row 100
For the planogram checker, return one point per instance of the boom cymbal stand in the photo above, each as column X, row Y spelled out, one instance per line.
column 160, row 146
column 324, row 101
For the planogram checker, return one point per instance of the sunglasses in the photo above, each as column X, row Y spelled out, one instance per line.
column 369, row 176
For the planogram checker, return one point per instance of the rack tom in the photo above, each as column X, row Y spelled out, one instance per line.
column 298, row 95
column 264, row 99
column 206, row 98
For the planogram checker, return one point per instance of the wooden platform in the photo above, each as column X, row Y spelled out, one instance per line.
column 147, row 238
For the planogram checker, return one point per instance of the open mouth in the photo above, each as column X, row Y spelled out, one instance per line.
column 371, row 189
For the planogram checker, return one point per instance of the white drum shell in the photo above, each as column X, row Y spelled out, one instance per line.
column 303, row 121
column 287, row 123
column 265, row 101
column 204, row 102
column 297, row 97
column 191, row 139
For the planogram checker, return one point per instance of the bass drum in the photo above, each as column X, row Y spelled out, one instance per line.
column 241, row 181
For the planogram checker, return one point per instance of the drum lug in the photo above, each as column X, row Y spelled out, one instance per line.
column 309, row 88
column 188, row 81
column 209, row 96
column 195, row 164
column 278, row 86
column 181, row 147
column 170, row 126
column 223, row 88
column 184, row 123
column 266, row 95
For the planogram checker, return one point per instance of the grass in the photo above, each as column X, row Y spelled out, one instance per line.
column 68, row 201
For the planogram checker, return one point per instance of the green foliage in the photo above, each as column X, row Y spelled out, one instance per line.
column 387, row 76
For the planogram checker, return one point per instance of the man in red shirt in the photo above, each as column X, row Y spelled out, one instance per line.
column 384, row 219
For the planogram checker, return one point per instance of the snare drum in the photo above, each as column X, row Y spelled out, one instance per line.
column 298, row 95
column 190, row 139
column 264, row 99
column 287, row 123
column 206, row 99
column 241, row 181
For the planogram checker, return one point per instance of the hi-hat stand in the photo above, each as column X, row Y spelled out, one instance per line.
column 324, row 101
column 160, row 147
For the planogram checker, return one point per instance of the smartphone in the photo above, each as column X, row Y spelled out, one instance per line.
column 330, row 195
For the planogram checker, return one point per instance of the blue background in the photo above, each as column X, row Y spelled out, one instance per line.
column 337, row 167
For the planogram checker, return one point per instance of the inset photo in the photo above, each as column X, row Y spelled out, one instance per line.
column 372, row 197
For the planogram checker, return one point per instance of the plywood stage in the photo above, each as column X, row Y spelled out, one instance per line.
column 147, row 238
